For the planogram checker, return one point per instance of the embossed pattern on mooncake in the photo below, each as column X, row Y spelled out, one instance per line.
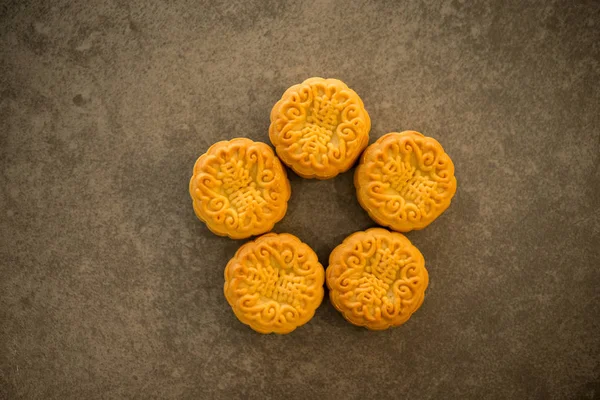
column 275, row 283
column 239, row 188
column 405, row 180
column 319, row 128
column 377, row 278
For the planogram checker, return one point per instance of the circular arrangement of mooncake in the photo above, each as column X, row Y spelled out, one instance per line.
column 376, row 278
column 319, row 128
column 239, row 188
column 275, row 283
column 405, row 180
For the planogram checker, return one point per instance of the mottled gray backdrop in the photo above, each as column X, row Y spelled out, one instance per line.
column 111, row 288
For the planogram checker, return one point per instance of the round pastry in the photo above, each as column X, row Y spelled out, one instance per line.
column 275, row 283
column 405, row 180
column 376, row 278
column 319, row 128
column 239, row 188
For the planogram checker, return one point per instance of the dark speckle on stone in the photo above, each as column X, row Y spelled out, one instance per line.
column 26, row 301
column 8, row 94
column 78, row 100
column 133, row 26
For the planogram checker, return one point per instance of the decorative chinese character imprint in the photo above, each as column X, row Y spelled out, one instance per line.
column 377, row 278
column 275, row 283
column 319, row 128
column 239, row 188
column 405, row 180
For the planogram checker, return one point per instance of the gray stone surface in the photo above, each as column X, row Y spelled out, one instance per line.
column 111, row 288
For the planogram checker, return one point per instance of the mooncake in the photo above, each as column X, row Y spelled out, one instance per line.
column 376, row 278
column 275, row 283
column 319, row 128
column 239, row 188
column 405, row 180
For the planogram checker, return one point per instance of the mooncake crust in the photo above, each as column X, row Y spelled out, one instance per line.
column 405, row 180
column 239, row 188
column 275, row 283
column 319, row 128
column 376, row 278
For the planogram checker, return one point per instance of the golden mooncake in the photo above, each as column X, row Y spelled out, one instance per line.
column 319, row 128
column 275, row 283
column 376, row 278
column 239, row 188
column 405, row 180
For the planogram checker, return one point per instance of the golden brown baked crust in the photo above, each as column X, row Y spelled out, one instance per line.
column 275, row 283
column 239, row 188
column 376, row 278
column 405, row 180
column 319, row 128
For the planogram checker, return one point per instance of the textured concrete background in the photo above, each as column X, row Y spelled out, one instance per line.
column 111, row 288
